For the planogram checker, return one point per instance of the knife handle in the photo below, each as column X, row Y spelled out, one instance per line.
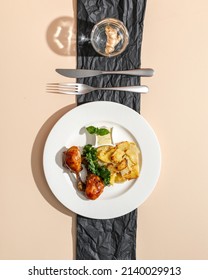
column 145, row 72
column 138, row 89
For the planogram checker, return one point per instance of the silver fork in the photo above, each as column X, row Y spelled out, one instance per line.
column 76, row 88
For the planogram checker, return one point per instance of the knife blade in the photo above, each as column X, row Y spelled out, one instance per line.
column 82, row 73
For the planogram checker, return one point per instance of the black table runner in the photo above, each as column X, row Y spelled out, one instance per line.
column 111, row 239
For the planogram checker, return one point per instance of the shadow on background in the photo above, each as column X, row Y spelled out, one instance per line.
column 62, row 32
column 61, row 36
column 38, row 173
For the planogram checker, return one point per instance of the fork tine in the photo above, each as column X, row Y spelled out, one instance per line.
column 63, row 92
column 65, row 87
column 76, row 88
column 64, row 84
column 70, row 84
column 55, row 87
column 61, row 86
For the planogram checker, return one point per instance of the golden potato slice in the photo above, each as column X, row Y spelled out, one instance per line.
column 105, row 155
column 133, row 147
column 134, row 158
column 133, row 153
column 112, row 178
column 129, row 163
column 119, row 178
column 112, row 168
column 123, row 145
column 121, row 160
column 109, row 153
column 122, row 164
column 125, row 171
column 133, row 174
column 117, row 155
column 103, row 149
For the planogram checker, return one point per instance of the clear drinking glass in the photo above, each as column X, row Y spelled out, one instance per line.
column 109, row 37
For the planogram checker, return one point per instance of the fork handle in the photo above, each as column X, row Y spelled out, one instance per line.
column 145, row 72
column 139, row 89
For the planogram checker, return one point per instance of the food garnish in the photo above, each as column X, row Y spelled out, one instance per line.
column 90, row 160
column 98, row 131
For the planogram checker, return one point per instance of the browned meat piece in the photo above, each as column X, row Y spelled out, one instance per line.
column 94, row 186
column 72, row 161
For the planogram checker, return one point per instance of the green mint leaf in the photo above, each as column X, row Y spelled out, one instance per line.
column 95, row 130
column 91, row 129
column 102, row 131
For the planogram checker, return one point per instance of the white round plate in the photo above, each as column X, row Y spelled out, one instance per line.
column 128, row 125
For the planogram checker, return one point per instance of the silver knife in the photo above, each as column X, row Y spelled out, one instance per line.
column 81, row 73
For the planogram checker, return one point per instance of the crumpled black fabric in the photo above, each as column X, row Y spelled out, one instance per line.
column 110, row 239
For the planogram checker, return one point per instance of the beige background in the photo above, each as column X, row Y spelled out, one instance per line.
column 173, row 222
